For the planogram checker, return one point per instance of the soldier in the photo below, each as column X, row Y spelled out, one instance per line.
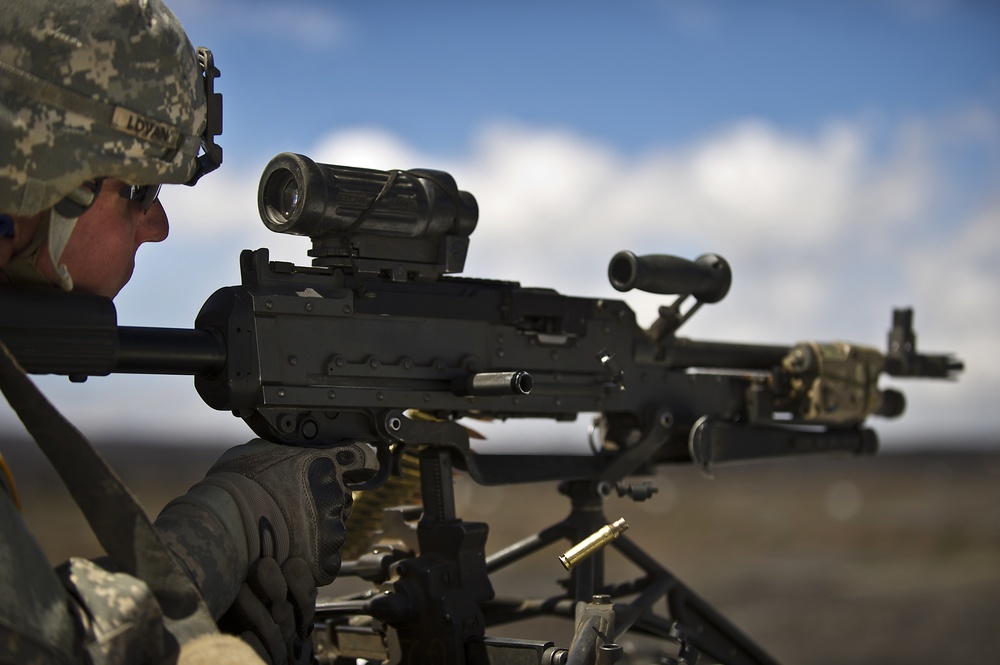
column 101, row 102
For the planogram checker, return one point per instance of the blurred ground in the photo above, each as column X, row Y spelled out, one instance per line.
column 892, row 559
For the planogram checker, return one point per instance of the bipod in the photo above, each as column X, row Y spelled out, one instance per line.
column 690, row 621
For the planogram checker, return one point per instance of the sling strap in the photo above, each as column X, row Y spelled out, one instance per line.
column 114, row 514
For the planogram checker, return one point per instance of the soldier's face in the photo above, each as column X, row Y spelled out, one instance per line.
column 101, row 252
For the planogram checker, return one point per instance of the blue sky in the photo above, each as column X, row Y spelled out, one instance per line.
column 843, row 156
column 633, row 73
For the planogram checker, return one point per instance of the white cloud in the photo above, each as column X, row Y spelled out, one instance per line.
column 772, row 182
column 824, row 233
column 366, row 147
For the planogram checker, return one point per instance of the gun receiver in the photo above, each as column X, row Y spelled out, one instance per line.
column 378, row 341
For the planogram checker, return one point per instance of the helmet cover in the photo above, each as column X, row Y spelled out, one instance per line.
column 91, row 89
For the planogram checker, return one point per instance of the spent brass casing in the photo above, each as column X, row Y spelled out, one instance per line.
column 592, row 543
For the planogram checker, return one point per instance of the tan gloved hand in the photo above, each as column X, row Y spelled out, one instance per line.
column 274, row 611
column 265, row 500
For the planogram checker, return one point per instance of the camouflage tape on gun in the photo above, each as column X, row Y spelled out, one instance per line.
column 301, row 197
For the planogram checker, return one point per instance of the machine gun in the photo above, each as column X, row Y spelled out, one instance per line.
column 377, row 341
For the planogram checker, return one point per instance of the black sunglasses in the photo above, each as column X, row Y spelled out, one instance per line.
column 144, row 195
column 80, row 200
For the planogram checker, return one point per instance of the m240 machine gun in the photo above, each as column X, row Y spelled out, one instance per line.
column 378, row 342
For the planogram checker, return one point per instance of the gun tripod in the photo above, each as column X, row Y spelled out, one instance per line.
column 435, row 607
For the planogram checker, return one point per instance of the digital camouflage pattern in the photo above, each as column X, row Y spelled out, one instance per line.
column 108, row 89
column 120, row 617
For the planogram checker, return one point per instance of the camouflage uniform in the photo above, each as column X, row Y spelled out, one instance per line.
column 37, row 623
column 87, row 89
column 78, row 613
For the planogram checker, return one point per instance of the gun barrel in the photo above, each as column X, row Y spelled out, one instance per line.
column 683, row 353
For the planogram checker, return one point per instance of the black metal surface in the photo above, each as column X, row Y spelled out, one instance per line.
column 169, row 351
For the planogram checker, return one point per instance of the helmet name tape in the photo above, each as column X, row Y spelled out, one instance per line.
column 122, row 119
column 154, row 131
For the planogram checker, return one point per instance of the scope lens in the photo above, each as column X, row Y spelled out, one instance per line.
column 289, row 198
column 282, row 194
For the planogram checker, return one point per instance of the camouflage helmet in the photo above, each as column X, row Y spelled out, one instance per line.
column 92, row 89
